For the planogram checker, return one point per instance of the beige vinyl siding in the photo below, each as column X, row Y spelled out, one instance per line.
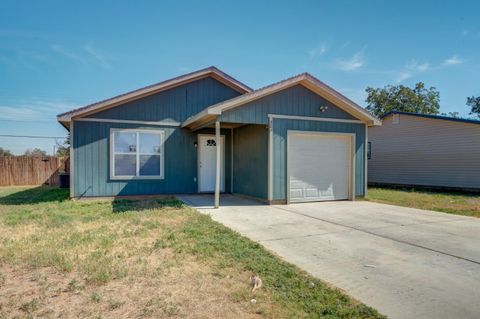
column 424, row 151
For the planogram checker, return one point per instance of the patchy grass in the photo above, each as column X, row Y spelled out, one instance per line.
column 144, row 259
column 452, row 203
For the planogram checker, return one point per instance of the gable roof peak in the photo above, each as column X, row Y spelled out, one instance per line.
column 210, row 71
column 305, row 79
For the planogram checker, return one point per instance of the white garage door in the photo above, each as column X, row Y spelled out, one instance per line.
column 318, row 166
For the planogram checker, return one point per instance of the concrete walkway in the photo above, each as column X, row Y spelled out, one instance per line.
column 407, row 263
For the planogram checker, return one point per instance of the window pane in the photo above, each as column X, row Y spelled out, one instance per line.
column 149, row 165
column 125, row 142
column 149, row 143
column 125, row 165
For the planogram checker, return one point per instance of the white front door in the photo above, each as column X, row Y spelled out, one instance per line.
column 207, row 154
column 319, row 166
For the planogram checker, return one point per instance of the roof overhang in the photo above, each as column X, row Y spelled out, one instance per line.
column 305, row 79
column 212, row 72
column 434, row 117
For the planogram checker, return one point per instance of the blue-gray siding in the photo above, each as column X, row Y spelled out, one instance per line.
column 280, row 128
column 176, row 104
column 92, row 164
column 297, row 100
column 250, row 161
column 91, row 140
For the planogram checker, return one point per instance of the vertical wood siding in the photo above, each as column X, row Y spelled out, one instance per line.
column 92, row 164
column 250, row 161
column 297, row 100
column 176, row 104
column 91, row 140
column 280, row 128
column 424, row 151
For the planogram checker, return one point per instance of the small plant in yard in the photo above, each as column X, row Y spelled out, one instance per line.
column 73, row 286
column 115, row 304
column 159, row 244
column 30, row 306
column 2, row 279
column 95, row 297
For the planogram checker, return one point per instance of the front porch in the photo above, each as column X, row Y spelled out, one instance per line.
column 237, row 164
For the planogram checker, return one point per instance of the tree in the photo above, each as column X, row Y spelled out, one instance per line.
column 63, row 149
column 401, row 98
column 474, row 104
column 35, row 152
column 5, row 152
column 455, row 115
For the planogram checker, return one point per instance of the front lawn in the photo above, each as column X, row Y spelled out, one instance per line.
column 140, row 259
column 452, row 203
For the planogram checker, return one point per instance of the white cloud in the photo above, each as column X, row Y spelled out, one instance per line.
column 34, row 110
column 453, row 60
column 352, row 64
column 18, row 113
column 100, row 58
column 67, row 53
column 317, row 51
column 403, row 76
column 414, row 66
column 423, row 67
column 87, row 53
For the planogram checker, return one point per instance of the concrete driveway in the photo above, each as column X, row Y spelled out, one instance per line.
column 407, row 263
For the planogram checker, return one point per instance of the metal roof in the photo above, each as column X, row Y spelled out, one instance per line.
column 432, row 116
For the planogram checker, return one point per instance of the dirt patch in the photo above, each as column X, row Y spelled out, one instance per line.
column 193, row 290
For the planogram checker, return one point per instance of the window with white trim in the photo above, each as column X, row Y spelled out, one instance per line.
column 137, row 153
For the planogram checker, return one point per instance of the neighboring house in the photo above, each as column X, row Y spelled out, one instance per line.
column 295, row 140
column 425, row 150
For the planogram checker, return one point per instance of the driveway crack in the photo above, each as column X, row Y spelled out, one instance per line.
column 304, row 236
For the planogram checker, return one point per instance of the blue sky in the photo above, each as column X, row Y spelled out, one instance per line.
column 57, row 55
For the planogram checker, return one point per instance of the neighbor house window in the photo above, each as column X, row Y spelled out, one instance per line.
column 137, row 153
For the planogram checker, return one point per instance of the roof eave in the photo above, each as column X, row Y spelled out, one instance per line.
column 156, row 88
column 304, row 79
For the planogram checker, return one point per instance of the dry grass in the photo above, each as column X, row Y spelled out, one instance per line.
column 143, row 259
column 452, row 203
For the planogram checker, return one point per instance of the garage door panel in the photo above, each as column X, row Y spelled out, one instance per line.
column 319, row 167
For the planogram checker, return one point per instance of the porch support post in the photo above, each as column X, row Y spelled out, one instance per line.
column 218, row 144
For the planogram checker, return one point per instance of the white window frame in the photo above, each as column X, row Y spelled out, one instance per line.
column 137, row 154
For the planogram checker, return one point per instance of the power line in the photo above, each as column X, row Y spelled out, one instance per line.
column 32, row 136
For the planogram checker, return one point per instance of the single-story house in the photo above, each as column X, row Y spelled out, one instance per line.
column 432, row 151
column 292, row 141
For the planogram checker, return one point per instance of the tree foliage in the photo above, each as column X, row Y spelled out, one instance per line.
column 35, row 152
column 474, row 104
column 63, row 149
column 381, row 101
column 455, row 115
column 5, row 152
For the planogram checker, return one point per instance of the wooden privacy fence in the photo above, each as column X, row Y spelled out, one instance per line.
column 31, row 170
